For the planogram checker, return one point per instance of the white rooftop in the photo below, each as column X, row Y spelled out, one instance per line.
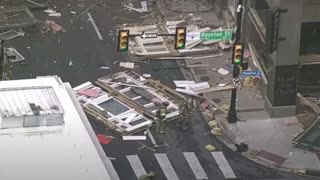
column 72, row 153
column 19, row 101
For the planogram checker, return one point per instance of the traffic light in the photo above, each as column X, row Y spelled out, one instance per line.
column 237, row 54
column 123, row 40
column 180, row 38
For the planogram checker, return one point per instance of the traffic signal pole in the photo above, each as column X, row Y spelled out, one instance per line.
column 232, row 114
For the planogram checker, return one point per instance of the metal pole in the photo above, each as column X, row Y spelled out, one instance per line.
column 232, row 114
column 1, row 59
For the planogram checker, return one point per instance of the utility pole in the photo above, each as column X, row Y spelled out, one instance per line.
column 232, row 114
column 1, row 59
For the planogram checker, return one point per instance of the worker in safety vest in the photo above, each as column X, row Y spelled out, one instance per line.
column 161, row 117
column 185, row 112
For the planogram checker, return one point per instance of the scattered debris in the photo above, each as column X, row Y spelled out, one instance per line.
column 49, row 11
column 145, row 146
column 210, row 147
column 222, row 84
column 129, row 65
column 103, row 139
column 183, row 83
column 215, row 89
column 38, row 4
column 143, row 8
column 146, row 75
column 137, row 138
column 77, row 17
column 198, row 86
column 13, row 55
column 55, row 14
column 73, row 12
column 115, row 62
column 52, row 25
column 224, row 46
column 222, row 71
column 211, row 56
column 70, row 63
column 103, row 67
column 10, row 34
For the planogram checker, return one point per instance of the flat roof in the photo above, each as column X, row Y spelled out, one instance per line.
column 68, row 154
column 18, row 101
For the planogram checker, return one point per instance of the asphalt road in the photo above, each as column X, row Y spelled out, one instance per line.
column 51, row 54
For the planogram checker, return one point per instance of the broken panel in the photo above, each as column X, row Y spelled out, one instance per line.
column 142, row 92
column 109, row 111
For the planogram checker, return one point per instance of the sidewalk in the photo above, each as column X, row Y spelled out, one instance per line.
column 269, row 140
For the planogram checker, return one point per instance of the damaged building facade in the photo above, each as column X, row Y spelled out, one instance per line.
column 282, row 36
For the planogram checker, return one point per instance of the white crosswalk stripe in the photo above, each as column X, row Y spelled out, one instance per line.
column 192, row 160
column 136, row 165
column 195, row 165
column 166, row 166
column 223, row 165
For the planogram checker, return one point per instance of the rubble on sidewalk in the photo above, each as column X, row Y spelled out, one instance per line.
column 308, row 139
column 127, row 107
column 16, row 14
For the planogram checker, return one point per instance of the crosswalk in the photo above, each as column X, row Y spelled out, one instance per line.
column 195, row 166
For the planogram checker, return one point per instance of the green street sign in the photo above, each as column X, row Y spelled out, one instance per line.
column 216, row 35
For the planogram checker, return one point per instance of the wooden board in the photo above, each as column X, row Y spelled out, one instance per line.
column 215, row 89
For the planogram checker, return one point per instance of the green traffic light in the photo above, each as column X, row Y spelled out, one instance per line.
column 237, row 61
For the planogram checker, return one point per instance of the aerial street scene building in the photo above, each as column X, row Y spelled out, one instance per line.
column 159, row 89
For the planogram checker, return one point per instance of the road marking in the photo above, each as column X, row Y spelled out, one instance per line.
column 166, row 166
column 223, row 165
column 195, row 165
column 152, row 138
column 95, row 26
column 136, row 165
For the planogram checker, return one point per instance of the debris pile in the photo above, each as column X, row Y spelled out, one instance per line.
column 125, row 101
column 158, row 46
column 146, row 46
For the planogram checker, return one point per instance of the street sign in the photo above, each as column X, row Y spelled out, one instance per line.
column 236, row 82
column 193, row 36
column 149, row 35
column 250, row 73
column 216, row 35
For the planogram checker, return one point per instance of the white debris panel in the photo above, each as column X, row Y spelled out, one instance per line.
column 124, row 119
column 137, row 88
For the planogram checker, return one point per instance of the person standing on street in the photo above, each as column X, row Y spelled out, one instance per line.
column 161, row 117
column 185, row 114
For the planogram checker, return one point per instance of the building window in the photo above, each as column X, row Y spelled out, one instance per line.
column 310, row 38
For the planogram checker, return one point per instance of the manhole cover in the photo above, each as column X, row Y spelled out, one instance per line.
column 216, row 100
column 204, row 78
